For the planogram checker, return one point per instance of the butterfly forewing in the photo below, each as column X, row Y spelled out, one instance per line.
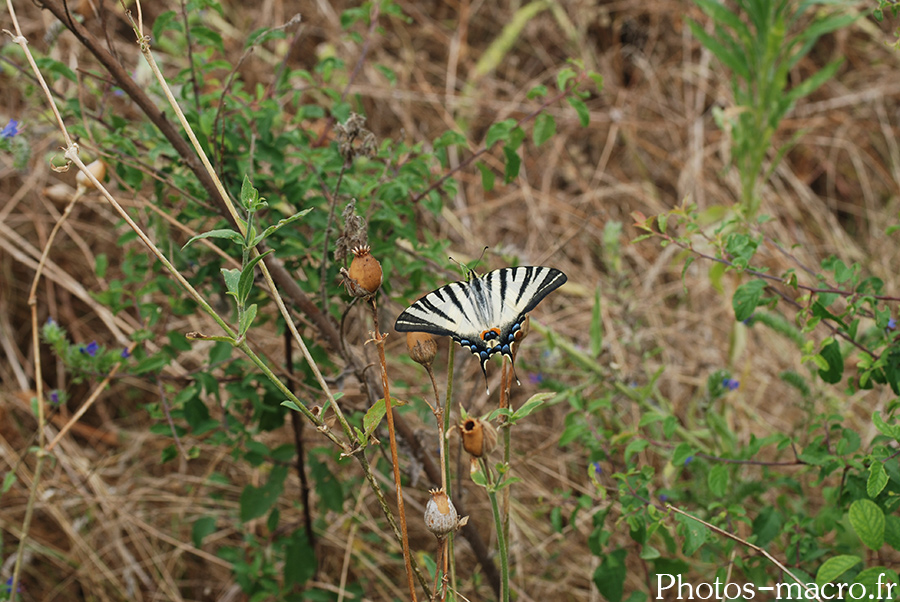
column 464, row 310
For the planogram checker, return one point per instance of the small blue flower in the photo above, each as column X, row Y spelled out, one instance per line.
column 54, row 397
column 9, row 586
column 892, row 324
column 663, row 497
column 11, row 129
column 51, row 322
column 90, row 349
column 730, row 383
column 597, row 469
column 535, row 378
column 688, row 460
column 125, row 353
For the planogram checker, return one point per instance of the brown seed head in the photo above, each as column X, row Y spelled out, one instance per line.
column 364, row 274
column 479, row 436
column 440, row 515
column 422, row 347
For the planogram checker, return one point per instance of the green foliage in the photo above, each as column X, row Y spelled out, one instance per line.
column 760, row 43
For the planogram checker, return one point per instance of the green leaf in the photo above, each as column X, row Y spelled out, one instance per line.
column 247, row 319
column 609, row 577
column 373, row 417
column 693, row 532
column 564, row 77
column 584, row 116
column 513, row 163
column 232, row 278
column 867, row 520
column 290, row 404
column 596, row 332
column 249, row 194
column 256, row 501
column 499, row 131
column 245, row 283
column 831, row 353
column 877, row 481
column 718, row 480
column 232, row 235
column 281, row 223
column 833, row 568
column 161, row 23
column 201, row 528
column 682, row 453
column 875, row 579
column 889, row 430
column 487, row 176
column 746, row 298
column 533, row 403
column 544, row 128
column 299, row 560
column 892, row 531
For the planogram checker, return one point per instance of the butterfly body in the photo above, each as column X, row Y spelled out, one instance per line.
column 485, row 313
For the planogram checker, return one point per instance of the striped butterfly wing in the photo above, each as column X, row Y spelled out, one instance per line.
column 484, row 313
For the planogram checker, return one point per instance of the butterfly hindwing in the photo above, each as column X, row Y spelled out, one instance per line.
column 483, row 313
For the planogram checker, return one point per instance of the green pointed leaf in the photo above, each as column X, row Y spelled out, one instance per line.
column 833, row 568
column 281, row 223
column 584, row 116
column 245, row 284
column 201, row 528
column 229, row 234
column 533, row 403
column 513, row 163
column 718, row 480
column 867, row 520
column 682, row 453
column 247, row 319
column 487, row 176
column 290, row 404
column 831, row 353
column 877, row 481
column 544, row 128
column 746, row 298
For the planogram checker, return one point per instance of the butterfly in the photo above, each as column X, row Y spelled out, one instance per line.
column 484, row 314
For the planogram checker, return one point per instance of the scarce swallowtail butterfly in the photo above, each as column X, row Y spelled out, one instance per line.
column 483, row 313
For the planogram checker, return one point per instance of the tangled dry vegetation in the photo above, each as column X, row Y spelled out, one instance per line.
column 112, row 523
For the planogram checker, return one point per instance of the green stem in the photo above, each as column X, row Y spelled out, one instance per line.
column 498, row 525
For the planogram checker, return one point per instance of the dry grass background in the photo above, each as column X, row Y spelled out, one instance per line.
column 113, row 524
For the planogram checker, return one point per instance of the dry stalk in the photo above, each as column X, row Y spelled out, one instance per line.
column 378, row 338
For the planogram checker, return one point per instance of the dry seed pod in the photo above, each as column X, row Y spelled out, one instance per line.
column 97, row 168
column 363, row 279
column 440, row 515
column 422, row 347
column 479, row 436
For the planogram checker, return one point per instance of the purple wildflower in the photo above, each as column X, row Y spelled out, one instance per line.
column 90, row 349
column 730, row 383
column 892, row 324
column 688, row 460
column 663, row 497
column 597, row 469
column 11, row 129
column 535, row 378
column 54, row 397
column 125, row 353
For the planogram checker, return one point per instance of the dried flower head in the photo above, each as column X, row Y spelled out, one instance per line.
column 422, row 347
column 364, row 277
column 479, row 436
column 440, row 515
column 354, row 233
